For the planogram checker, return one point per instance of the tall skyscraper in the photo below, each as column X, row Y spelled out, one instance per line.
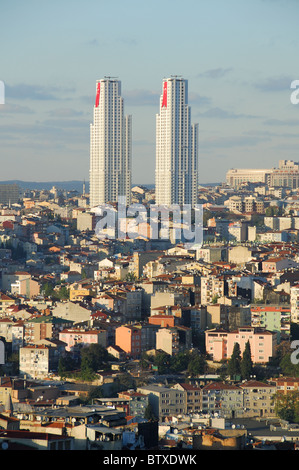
column 176, row 173
column 110, row 145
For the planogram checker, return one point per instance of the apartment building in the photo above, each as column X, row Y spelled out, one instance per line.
column 128, row 338
column 138, row 402
column 110, row 146
column 164, row 401
column 74, row 337
column 176, row 174
column 212, row 287
column 36, row 362
column 192, row 397
column 223, row 398
column 286, row 384
column 249, row 399
column 295, row 303
column 258, row 399
column 275, row 318
column 172, row 340
column 220, row 343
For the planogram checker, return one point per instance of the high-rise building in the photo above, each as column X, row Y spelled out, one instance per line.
column 176, row 177
column 110, row 145
column 9, row 193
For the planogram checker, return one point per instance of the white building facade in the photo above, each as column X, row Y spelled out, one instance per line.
column 176, row 175
column 110, row 146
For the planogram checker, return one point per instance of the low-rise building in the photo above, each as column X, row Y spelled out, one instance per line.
column 220, row 343
column 84, row 337
column 223, row 398
column 164, row 401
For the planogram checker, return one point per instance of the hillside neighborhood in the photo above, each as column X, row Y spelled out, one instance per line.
column 144, row 343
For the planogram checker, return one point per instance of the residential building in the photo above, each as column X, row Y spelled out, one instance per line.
column 6, row 301
column 176, row 177
column 138, row 402
column 212, row 287
column 295, row 303
column 258, row 399
column 286, row 385
column 84, row 337
column 275, row 318
column 192, row 399
column 36, row 362
column 71, row 311
column 110, row 146
column 222, row 398
column 174, row 339
column 164, row 401
column 278, row 264
column 128, row 338
column 220, row 343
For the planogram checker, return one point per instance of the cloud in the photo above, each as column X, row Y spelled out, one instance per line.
column 281, row 122
column 93, row 42
column 65, row 112
column 218, row 113
column 274, row 84
column 200, row 100
column 9, row 108
column 141, row 98
column 234, row 141
column 215, row 73
column 24, row 91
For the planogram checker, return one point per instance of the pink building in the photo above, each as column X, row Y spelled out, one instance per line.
column 220, row 343
column 74, row 336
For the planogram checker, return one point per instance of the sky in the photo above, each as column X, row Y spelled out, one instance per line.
column 239, row 57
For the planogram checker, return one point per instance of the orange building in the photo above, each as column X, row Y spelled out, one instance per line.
column 128, row 338
column 162, row 320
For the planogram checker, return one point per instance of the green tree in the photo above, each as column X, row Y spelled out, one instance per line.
column 197, row 365
column 64, row 293
column 180, row 361
column 287, row 406
column 149, row 414
column 234, row 363
column 294, row 331
column 288, row 367
column 145, row 361
column 163, row 361
column 96, row 392
column 131, row 277
column 48, row 289
column 65, row 365
column 93, row 357
column 246, row 362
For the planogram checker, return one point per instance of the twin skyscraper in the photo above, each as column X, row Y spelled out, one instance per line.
column 176, row 174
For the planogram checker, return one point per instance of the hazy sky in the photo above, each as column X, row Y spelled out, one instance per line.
column 239, row 57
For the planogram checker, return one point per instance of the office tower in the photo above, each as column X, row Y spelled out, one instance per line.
column 110, row 145
column 9, row 194
column 176, row 146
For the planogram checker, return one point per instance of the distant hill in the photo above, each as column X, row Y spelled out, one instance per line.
column 73, row 185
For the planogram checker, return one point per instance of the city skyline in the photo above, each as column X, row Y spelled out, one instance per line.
column 239, row 60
